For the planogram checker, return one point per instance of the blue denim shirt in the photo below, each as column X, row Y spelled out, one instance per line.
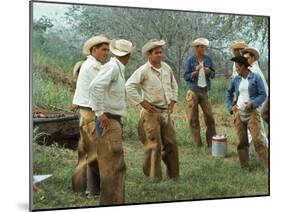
column 256, row 88
column 189, row 67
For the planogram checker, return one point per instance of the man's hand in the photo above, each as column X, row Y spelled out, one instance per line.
column 248, row 106
column 234, row 108
column 147, row 106
column 171, row 106
column 196, row 72
column 104, row 121
column 207, row 70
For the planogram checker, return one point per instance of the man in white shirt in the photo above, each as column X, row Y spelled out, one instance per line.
column 86, row 174
column 198, row 72
column 252, row 56
column 237, row 46
column 250, row 94
column 108, row 94
column 159, row 94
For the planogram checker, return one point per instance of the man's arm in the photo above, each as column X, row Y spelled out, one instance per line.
column 230, row 95
column 261, row 93
column 97, row 89
column 131, row 86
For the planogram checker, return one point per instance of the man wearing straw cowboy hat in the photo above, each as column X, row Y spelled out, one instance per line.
column 198, row 72
column 237, row 46
column 108, row 93
column 86, row 174
column 250, row 93
column 159, row 94
column 253, row 56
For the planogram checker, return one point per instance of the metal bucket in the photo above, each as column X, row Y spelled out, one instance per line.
column 219, row 146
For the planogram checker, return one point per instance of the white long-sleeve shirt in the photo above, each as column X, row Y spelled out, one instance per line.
column 107, row 90
column 158, row 86
column 88, row 72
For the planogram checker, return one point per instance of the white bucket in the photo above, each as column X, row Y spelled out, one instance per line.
column 219, row 146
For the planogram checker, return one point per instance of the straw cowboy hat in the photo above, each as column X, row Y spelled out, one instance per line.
column 76, row 69
column 200, row 42
column 251, row 51
column 151, row 44
column 121, row 47
column 93, row 41
column 238, row 44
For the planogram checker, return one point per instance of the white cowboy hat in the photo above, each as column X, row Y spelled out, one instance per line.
column 238, row 44
column 76, row 69
column 121, row 47
column 151, row 44
column 252, row 51
column 200, row 42
column 93, row 41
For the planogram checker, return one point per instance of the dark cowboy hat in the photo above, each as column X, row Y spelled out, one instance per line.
column 241, row 60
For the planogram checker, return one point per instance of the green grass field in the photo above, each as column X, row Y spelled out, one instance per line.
column 202, row 176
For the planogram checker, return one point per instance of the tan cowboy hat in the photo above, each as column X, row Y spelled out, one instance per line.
column 95, row 40
column 121, row 47
column 238, row 44
column 76, row 69
column 252, row 51
column 199, row 42
column 151, row 44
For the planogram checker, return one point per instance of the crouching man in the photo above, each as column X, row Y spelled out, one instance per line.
column 250, row 94
column 108, row 95
column 159, row 94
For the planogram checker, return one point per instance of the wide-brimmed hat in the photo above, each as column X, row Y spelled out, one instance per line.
column 200, row 42
column 121, row 47
column 76, row 69
column 151, row 44
column 241, row 60
column 252, row 51
column 238, row 44
column 93, row 41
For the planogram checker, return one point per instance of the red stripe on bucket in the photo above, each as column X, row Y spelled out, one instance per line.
column 218, row 140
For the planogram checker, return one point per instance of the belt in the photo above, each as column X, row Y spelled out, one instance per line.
column 113, row 116
column 85, row 108
column 199, row 89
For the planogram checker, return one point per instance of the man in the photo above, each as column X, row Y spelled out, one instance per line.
column 159, row 95
column 250, row 94
column 108, row 93
column 198, row 72
column 237, row 46
column 86, row 174
column 252, row 56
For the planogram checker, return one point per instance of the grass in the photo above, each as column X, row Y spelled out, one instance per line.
column 202, row 176
column 47, row 93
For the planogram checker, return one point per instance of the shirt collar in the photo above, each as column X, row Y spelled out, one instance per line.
column 97, row 64
column 121, row 65
column 152, row 67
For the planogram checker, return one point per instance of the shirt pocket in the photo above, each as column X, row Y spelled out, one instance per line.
column 155, row 94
